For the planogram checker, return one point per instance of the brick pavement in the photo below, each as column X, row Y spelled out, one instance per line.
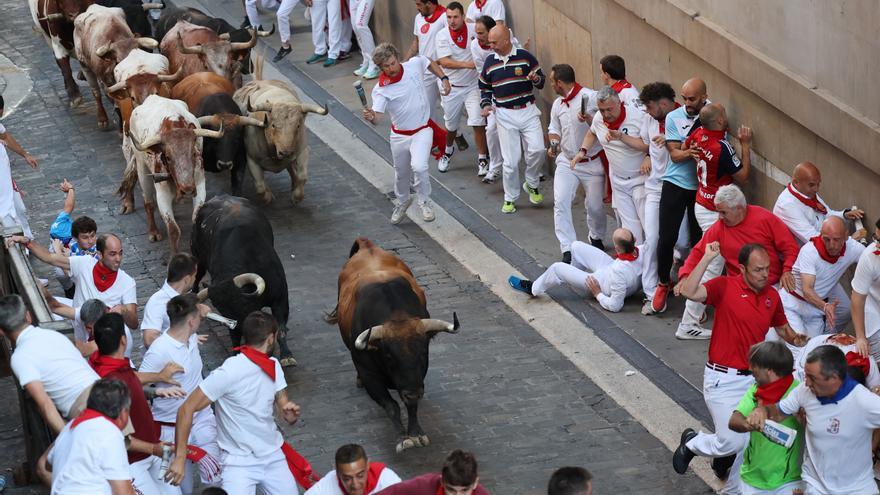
column 497, row 388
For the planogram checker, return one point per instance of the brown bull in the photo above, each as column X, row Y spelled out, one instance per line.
column 54, row 18
column 195, row 87
column 199, row 49
column 383, row 320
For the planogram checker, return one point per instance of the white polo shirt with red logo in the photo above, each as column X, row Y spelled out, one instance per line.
column 492, row 8
column 447, row 47
column 427, row 33
column 624, row 161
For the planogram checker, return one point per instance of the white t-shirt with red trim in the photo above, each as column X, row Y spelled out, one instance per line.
column 623, row 160
column 329, row 484
column 827, row 274
column 866, row 281
column 123, row 290
column 447, row 47
column 492, row 8
column 84, row 458
column 406, row 101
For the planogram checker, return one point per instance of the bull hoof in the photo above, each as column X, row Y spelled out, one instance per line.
column 266, row 196
column 80, row 75
column 103, row 125
column 412, row 442
column 76, row 101
column 154, row 236
column 126, row 208
column 296, row 198
column 424, row 440
column 288, row 361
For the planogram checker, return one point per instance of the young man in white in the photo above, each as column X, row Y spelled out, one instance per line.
column 361, row 11
column 101, row 278
column 46, row 364
column 819, row 304
column 246, row 388
column 865, row 306
column 803, row 210
column 89, row 457
column 566, row 132
column 841, row 416
column 179, row 280
column 401, row 93
column 354, row 474
column 12, row 209
column 592, row 271
column 625, row 162
column 429, row 22
column 180, row 345
column 454, row 55
column 492, row 8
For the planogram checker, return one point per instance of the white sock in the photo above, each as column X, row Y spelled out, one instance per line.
column 481, row 156
column 450, row 150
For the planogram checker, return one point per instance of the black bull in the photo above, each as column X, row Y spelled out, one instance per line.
column 230, row 237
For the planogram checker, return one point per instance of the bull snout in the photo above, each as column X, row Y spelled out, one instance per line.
column 224, row 164
column 186, row 190
column 282, row 154
column 412, row 396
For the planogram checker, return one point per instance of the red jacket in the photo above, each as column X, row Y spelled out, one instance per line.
column 426, row 484
column 759, row 227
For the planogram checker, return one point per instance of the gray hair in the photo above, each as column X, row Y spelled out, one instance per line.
column 607, row 93
column 831, row 359
column 109, row 397
column 383, row 52
column 731, row 196
column 13, row 313
column 91, row 311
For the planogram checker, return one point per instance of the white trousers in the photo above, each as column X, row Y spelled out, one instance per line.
column 284, row 11
column 810, row 320
column 361, row 10
column 461, row 100
column 652, row 236
column 19, row 216
column 586, row 261
column 327, row 14
column 693, row 311
column 245, row 474
column 628, row 200
column 493, row 143
column 202, row 435
column 793, row 488
column 145, row 478
column 515, row 129
column 591, row 176
column 722, row 392
column 410, row 155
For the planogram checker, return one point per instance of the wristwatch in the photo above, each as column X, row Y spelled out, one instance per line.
column 444, row 78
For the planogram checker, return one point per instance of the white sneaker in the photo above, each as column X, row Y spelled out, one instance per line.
column 372, row 74
column 427, row 211
column 360, row 71
column 490, row 177
column 443, row 163
column 693, row 332
column 400, row 211
column 648, row 308
column 482, row 167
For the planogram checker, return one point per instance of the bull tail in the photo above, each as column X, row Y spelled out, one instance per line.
column 129, row 178
column 332, row 318
column 257, row 61
column 360, row 243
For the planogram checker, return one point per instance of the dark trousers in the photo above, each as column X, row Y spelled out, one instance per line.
column 674, row 203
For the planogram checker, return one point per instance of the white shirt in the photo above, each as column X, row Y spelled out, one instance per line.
column 446, row 47
column 803, row 221
column 623, row 160
column 329, row 484
column 659, row 154
column 492, row 8
column 871, row 381
column 50, row 358
column 164, row 350
column 838, row 440
column 630, row 96
column 156, row 310
column 622, row 279
column 84, row 458
column 123, row 290
column 564, row 122
column 7, row 206
column 866, row 281
column 427, row 33
column 827, row 275
column 406, row 101
column 245, row 400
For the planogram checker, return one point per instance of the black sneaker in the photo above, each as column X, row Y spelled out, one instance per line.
column 721, row 466
column 597, row 243
column 282, row 52
column 682, row 456
column 461, row 142
column 566, row 257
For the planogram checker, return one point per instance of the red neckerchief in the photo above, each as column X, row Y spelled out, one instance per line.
column 773, row 391
column 373, row 473
column 617, row 123
column 856, row 360
column 812, row 203
column 104, row 277
column 299, row 467
column 484, row 47
column 91, row 414
column 823, row 253
column 574, row 92
column 385, row 80
column 436, row 15
column 104, row 365
column 663, row 120
column 621, row 85
column 259, row 358
column 629, row 256
column 440, row 490
column 460, row 36
column 481, row 4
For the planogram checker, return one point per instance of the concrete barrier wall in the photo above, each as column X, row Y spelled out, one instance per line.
column 797, row 72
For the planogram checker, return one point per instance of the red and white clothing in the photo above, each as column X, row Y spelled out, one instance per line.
column 426, row 31
column 802, row 215
column 87, row 276
column 361, row 11
column 465, row 94
column 12, row 210
column 844, row 342
column 659, row 155
column 86, row 455
column 624, row 164
column 589, row 174
column 426, row 484
column 405, row 100
column 813, row 259
column 379, row 477
column 330, row 17
column 156, row 309
column 628, row 93
column 716, row 165
column 866, row 282
column 492, row 8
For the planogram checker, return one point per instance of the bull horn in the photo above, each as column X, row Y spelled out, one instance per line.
column 208, row 133
column 146, row 145
column 260, row 108
column 212, row 120
column 243, row 120
column 309, row 108
column 202, row 295
column 170, row 77
column 250, row 278
column 224, row 36
column 369, row 335
column 432, row 325
column 247, row 45
column 120, row 86
column 147, row 43
column 103, row 50
column 152, row 6
column 263, row 34
column 188, row 50
column 52, row 17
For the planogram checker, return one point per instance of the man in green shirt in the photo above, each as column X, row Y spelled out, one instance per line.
column 769, row 468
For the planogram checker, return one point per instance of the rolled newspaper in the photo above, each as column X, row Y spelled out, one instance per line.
column 859, row 226
column 221, row 319
column 359, row 88
column 779, row 433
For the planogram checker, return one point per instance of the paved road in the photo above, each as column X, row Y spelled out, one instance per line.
column 498, row 388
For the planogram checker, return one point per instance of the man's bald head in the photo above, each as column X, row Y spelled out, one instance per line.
column 693, row 92
column 624, row 241
column 806, row 178
column 833, row 225
column 713, row 117
column 834, row 234
column 499, row 39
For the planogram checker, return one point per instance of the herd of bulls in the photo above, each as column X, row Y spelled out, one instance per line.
column 185, row 110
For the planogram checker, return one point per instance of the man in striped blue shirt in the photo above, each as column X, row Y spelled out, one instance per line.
column 507, row 82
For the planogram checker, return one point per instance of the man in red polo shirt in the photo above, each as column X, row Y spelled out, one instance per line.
column 746, row 305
